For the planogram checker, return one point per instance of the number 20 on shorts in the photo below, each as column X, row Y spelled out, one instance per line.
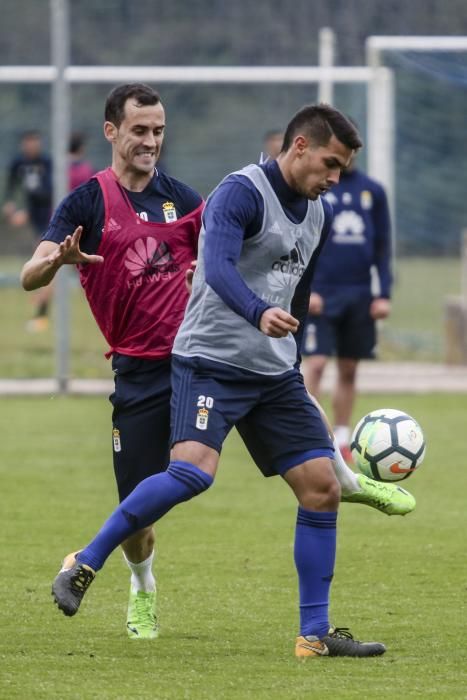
column 203, row 404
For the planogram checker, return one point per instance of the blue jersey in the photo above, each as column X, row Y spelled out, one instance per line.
column 163, row 200
column 34, row 177
column 360, row 236
column 236, row 213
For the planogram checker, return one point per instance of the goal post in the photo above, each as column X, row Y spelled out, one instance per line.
column 376, row 45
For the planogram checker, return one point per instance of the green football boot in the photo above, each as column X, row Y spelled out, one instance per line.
column 141, row 621
column 391, row 499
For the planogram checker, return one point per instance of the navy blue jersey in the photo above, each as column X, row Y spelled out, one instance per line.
column 163, row 200
column 238, row 213
column 360, row 236
column 34, row 177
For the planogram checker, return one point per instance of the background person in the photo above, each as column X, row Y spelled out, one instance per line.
column 272, row 143
column 344, row 308
column 79, row 168
column 28, row 199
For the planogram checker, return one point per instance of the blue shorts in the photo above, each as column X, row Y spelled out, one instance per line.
column 279, row 424
column 140, row 419
column 345, row 328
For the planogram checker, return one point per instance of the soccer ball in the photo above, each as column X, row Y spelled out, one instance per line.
column 387, row 445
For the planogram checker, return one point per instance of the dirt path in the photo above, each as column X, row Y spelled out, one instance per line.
column 374, row 377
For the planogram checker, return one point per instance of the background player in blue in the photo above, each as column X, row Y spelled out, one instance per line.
column 272, row 143
column 235, row 358
column 141, row 331
column 343, row 307
column 28, row 198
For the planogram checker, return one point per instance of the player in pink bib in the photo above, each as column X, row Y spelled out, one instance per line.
column 135, row 234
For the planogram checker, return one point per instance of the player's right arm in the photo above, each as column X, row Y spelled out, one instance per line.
column 70, row 238
column 48, row 258
column 231, row 215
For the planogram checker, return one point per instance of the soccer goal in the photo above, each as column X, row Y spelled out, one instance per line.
column 430, row 151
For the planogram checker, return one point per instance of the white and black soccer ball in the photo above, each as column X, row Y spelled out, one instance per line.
column 387, row 445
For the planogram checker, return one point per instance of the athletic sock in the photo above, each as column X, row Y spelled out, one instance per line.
column 142, row 578
column 148, row 502
column 342, row 434
column 345, row 476
column 315, row 553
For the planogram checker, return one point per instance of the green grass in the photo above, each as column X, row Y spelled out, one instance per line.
column 415, row 330
column 33, row 355
column 227, row 585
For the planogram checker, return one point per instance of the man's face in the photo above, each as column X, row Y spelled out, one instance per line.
column 31, row 146
column 314, row 169
column 138, row 140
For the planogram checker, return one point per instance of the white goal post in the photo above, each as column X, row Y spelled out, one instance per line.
column 375, row 45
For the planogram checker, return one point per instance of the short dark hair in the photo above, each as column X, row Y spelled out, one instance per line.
column 319, row 123
column 116, row 100
column 30, row 134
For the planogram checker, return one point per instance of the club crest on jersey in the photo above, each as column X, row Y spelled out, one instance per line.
column 116, row 440
column 202, row 419
column 170, row 213
column 366, row 199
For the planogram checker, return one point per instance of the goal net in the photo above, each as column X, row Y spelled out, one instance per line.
column 430, row 212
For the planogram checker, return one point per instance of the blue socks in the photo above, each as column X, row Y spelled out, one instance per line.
column 148, row 502
column 315, row 537
column 315, row 554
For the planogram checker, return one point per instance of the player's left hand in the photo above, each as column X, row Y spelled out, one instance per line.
column 19, row 218
column 277, row 323
column 8, row 210
column 380, row 308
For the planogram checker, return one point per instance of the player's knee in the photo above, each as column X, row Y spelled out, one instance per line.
column 347, row 370
column 313, row 374
column 321, row 494
column 333, row 493
column 193, row 479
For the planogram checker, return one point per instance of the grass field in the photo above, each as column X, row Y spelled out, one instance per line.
column 414, row 331
column 227, row 586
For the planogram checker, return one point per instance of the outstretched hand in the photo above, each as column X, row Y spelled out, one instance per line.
column 277, row 323
column 69, row 252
